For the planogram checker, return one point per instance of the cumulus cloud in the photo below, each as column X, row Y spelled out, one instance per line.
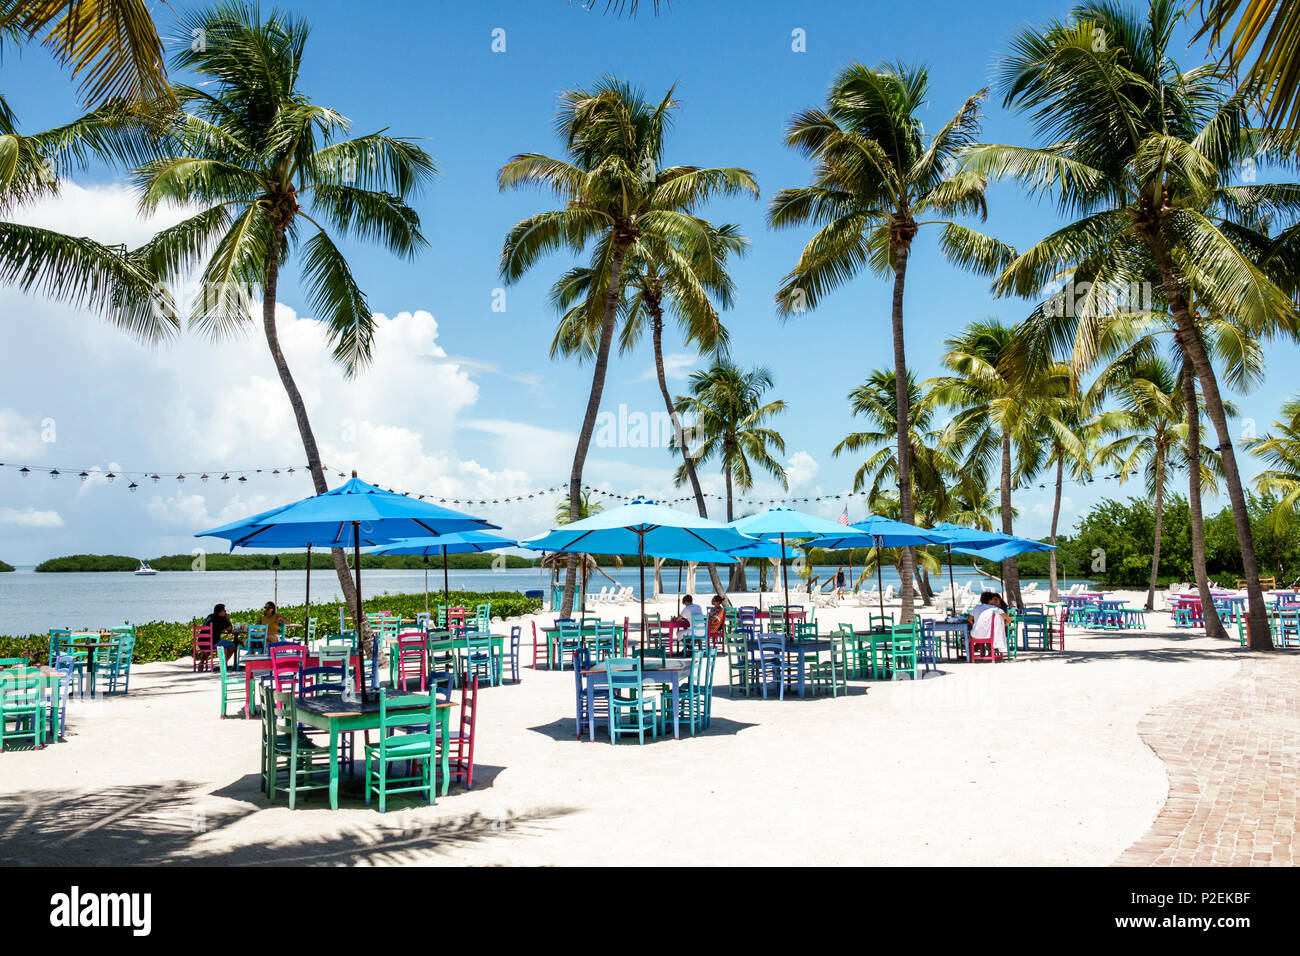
column 30, row 518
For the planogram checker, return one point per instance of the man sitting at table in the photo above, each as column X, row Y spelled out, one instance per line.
column 988, row 619
column 689, row 610
column 219, row 621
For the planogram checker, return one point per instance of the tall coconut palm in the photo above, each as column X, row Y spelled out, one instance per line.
column 617, row 198
column 693, row 284
column 993, row 398
column 72, row 269
column 730, row 425
column 877, row 180
column 1148, row 431
column 270, row 170
column 1142, row 153
column 1279, row 449
column 1264, row 43
column 112, row 45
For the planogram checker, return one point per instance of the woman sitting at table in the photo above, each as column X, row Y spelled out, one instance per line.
column 717, row 618
column 271, row 619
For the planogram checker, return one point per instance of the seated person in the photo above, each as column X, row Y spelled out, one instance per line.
column 219, row 621
column 717, row 617
column 988, row 620
column 689, row 609
column 272, row 619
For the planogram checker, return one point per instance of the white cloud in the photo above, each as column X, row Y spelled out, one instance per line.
column 30, row 518
column 801, row 470
column 677, row 366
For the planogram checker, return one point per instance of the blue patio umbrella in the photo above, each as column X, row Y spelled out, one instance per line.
column 960, row 537
column 462, row 542
column 880, row 532
column 346, row 516
column 641, row 527
column 695, row 557
column 781, row 523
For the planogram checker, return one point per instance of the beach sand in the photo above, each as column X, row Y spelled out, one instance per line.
column 1035, row 761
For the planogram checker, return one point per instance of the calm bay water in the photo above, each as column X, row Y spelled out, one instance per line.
column 33, row 603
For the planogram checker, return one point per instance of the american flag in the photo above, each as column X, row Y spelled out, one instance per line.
column 844, row 518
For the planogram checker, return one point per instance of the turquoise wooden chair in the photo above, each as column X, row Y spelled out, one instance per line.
column 605, row 644
column 118, row 671
column 419, row 749
column 57, row 636
column 480, row 661
column 22, row 708
column 233, row 686
column 631, row 710
column 256, row 642
column 739, row 671
column 567, row 641
column 695, row 699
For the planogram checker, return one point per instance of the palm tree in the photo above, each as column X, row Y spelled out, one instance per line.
column 876, row 182
column 729, row 414
column 270, row 169
column 1280, row 450
column 1147, row 431
column 71, row 269
column 1141, row 153
column 112, row 45
column 1269, row 32
column 658, row 277
column 993, row 393
column 616, row 197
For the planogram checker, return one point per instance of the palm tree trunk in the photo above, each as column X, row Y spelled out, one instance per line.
column 1155, row 544
column 1213, row 624
column 269, row 290
column 1194, row 348
column 1054, row 594
column 688, row 460
column 739, row 579
column 907, row 559
column 1010, row 568
column 593, row 409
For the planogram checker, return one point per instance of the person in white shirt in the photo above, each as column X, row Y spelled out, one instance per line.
column 689, row 609
column 989, row 618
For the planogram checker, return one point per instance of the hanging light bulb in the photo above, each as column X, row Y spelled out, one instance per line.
column 84, row 475
column 243, row 477
column 132, row 486
column 25, row 471
column 54, row 473
column 180, row 477
column 203, row 477
column 225, row 477
column 155, row 478
column 110, row 476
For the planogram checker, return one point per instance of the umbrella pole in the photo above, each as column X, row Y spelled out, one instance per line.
column 307, row 616
column 880, row 581
column 679, row 588
column 785, row 580
column 446, row 591
column 952, row 588
column 359, row 620
column 640, row 551
column 426, row 584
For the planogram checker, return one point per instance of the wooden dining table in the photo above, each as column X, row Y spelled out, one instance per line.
column 256, row 663
column 336, row 715
column 673, row 672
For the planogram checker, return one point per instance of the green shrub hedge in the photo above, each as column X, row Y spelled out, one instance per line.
column 168, row 640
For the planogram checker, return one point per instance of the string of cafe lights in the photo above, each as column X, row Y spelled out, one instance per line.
column 132, row 480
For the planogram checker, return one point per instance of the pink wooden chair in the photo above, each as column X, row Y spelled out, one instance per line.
column 203, row 647
column 412, row 651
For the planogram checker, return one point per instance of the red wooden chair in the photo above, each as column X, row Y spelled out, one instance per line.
column 287, row 662
column 540, row 649
column 981, row 649
column 461, row 756
column 412, row 651
column 203, row 647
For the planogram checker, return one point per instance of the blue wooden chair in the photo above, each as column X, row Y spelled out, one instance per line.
column 510, row 654
column 600, row 696
column 479, row 659
column 567, row 641
column 769, row 660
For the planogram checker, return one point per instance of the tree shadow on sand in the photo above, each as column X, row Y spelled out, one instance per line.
column 164, row 824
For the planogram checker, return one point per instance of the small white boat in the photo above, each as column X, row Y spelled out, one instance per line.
column 144, row 569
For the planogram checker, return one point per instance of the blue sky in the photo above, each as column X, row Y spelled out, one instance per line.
column 428, row 70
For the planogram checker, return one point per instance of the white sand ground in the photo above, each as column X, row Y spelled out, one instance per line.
column 1035, row 761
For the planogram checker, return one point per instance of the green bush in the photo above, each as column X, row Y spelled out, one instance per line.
column 89, row 562
column 5, row 567
column 168, row 640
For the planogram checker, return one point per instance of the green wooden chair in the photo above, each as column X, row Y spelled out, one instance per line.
column 827, row 670
column 305, row 765
column 856, row 656
column 738, row 663
column 22, row 707
column 337, row 655
column 694, row 699
column 117, row 670
column 417, row 749
column 233, row 687
column 902, row 651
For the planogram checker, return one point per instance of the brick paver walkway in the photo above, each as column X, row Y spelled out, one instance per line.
column 1233, row 756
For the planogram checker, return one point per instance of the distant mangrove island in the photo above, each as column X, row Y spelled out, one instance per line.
column 293, row 561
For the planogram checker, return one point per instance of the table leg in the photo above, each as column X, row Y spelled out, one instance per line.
column 801, row 670
column 443, row 724
column 677, row 710
column 591, row 709
column 334, row 766
column 248, row 693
